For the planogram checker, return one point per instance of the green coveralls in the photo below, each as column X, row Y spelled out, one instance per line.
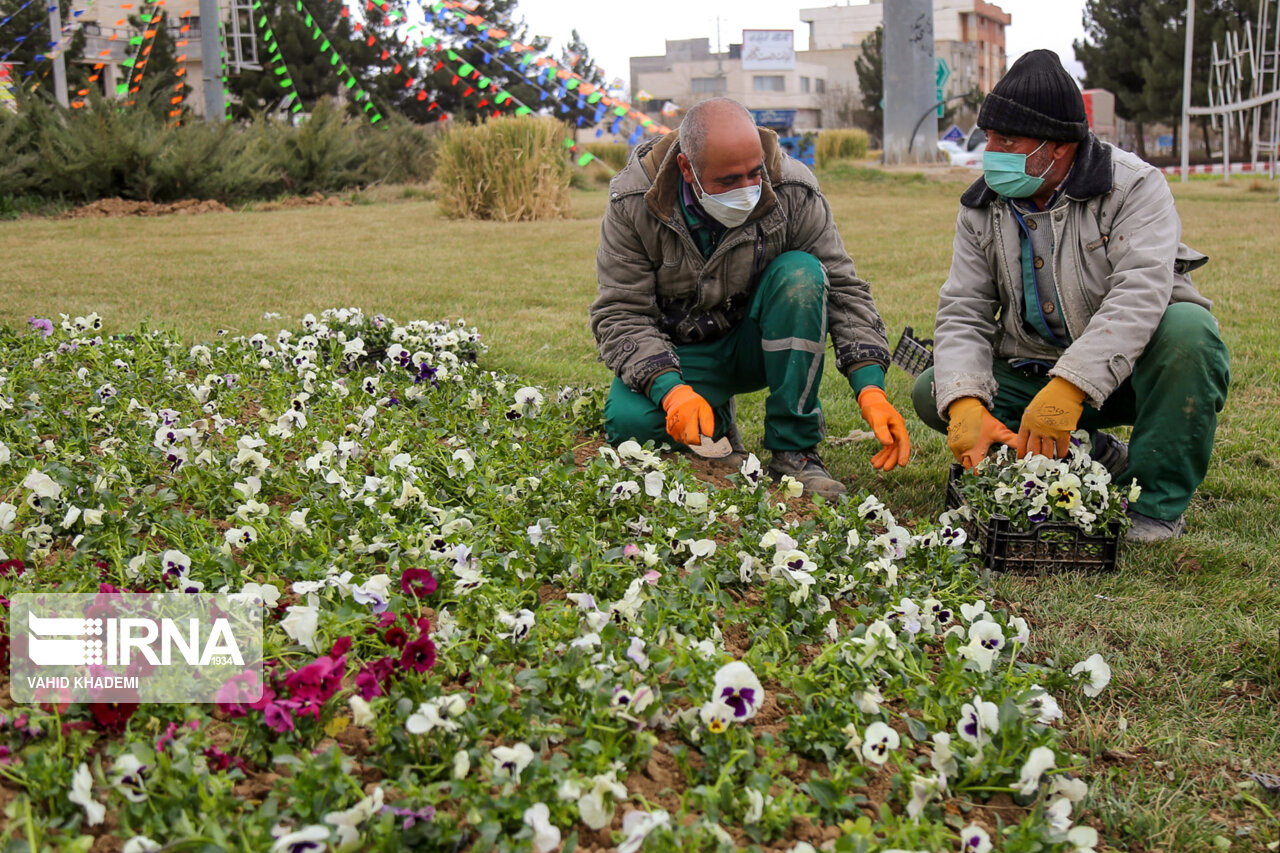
column 1172, row 400
column 779, row 346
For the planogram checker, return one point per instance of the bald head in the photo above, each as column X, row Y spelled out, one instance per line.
column 714, row 122
column 719, row 143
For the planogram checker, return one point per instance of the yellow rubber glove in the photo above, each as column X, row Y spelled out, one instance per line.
column 1049, row 419
column 889, row 427
column 973, row 430
column 689, row 417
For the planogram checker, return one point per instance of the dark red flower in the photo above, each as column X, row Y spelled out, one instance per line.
column 419, row 655
column 340, row 647
column 396, row 637
column 385, row 619
column 17, row 567
column 112, row 716
column 371, row 679
column 417, row 582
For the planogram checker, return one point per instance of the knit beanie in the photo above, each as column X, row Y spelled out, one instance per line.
column 1036, row 98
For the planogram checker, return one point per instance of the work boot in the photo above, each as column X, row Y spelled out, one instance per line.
column 807, row 468
column 1146, row 529
column 1110, row 452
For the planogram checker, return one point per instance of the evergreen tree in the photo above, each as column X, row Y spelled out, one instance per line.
column 1134, row 49
column 311, row 68
column 484, row 58
column 870, row 70
column 25, row 42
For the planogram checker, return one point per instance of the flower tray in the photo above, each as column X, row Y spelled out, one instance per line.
column 1047, row 548
column 912, row 354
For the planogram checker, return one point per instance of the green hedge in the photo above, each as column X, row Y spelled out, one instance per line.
column 106, row 150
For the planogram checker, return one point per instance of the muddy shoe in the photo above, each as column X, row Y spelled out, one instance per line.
column 806, row 467
column 1110, row 452
column 1148, row 529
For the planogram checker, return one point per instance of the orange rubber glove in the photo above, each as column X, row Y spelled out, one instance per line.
column 689, row 417
column 973, row 430
column 889, row 427
column 1049, row 419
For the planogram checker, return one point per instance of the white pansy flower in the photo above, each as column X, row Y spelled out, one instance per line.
column 593, row 810
column 546, row 836
column 361, row 711
column 82, row 795
column 1098, row 671
column 878, row 741
column 141, row 844
column 510, row 761
column 300, row 623
column 974, row 839
column 1040, row 761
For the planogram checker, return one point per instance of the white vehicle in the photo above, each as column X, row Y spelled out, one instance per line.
column 967, row 153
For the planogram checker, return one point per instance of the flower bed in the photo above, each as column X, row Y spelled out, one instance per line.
column 478, row 638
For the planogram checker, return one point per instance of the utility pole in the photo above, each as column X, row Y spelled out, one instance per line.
column 59, row 62
column 215, row 105
column 910, row 101
column 1186, row 89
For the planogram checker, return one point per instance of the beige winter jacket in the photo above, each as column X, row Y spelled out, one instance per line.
column 1118, row 263
column 656, row 292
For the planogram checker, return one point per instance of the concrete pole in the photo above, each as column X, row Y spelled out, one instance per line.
column 59, row 62
column 1186, row 88
column 215, row 105
column 910, row 93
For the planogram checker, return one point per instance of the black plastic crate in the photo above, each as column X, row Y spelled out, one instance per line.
column 1047, row 548
column 912, row 354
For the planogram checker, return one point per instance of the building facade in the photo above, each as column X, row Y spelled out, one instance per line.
column 969, row 36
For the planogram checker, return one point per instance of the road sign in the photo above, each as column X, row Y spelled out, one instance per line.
column 954, row 134
column 941, row 75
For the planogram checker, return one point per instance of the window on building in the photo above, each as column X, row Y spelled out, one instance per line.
column 707, row 85
column 819, row 85
column 770, row 83
column 804, row 85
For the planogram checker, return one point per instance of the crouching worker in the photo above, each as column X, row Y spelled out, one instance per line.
column 721, row 272
column 1069, row 305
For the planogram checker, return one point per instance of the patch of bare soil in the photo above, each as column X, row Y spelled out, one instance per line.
column 113, row 207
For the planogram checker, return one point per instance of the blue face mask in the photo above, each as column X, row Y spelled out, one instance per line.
column 1006, row 173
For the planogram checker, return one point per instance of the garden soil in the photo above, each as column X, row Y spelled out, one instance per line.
column 113, row 207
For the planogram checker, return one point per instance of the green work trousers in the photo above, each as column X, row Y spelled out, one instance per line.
column 1172, row 400
column 779, row 346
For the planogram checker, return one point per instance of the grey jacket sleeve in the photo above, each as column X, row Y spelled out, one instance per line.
column 1141, row 249
column 624, row 316
column 968, row 304
column 857, row 331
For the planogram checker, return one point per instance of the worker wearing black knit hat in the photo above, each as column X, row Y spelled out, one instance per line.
column 1069, row 305
column 1036, row 99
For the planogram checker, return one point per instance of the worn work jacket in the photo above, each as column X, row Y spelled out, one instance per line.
column 1118, row 262
column 657, row 292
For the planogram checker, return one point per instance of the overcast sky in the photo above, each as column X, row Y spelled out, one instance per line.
column 615, row 31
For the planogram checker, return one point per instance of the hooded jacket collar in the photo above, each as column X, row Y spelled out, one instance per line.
column 659, row 164
column 1090, row 176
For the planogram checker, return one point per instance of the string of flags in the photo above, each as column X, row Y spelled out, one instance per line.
column 343, row 70
column 145, row 42
column 279, row 69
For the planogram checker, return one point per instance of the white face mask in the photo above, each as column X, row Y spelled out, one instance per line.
column 730, row 208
